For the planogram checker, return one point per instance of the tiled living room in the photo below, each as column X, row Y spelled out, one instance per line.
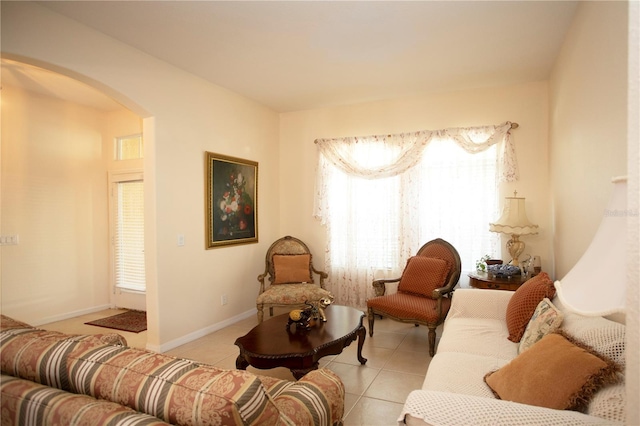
column 366, row 129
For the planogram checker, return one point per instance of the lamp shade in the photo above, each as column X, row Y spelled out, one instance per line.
column 596, row 285
column 514, row 220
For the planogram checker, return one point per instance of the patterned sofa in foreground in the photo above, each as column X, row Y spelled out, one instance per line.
column 50, row 378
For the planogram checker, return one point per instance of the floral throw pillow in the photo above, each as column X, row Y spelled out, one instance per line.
column 546, row 319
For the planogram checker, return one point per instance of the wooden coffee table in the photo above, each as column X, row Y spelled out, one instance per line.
column 270, row 345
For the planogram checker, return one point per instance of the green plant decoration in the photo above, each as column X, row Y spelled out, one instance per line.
column 481, row 265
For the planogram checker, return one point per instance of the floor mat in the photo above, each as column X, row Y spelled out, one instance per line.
column 132, row 321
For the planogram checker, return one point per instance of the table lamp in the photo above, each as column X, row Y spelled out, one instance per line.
column 514, row 222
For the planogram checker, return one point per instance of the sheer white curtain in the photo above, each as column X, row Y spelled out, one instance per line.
column 382, row 197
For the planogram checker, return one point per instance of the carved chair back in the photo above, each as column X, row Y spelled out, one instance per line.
column 286, row 246
column 442, row 249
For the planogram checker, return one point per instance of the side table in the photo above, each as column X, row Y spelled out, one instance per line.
column 483, row 280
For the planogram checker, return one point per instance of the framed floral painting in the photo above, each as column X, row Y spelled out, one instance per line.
column 232, row 200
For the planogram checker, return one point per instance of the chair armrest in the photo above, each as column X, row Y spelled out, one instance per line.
column 261, row 278
column 446, row 408
column 380, row 286
column 323, row 276
column 479, row 303
column 439, row 292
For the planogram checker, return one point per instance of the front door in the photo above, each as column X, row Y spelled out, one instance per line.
column 127, row 240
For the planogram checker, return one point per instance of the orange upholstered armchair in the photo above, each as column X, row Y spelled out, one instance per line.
column 423, row 290
column 290, row 273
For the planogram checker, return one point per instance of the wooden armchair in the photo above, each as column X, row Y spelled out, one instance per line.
column 422, row 298
column 290, row 271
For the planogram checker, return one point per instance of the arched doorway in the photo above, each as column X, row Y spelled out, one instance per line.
column 57, row 153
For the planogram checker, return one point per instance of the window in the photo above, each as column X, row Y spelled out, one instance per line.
column 128, row 147
column 356, row 216
column 454, row 198
column 459, row 199
column 128, row 232
column 382, row 197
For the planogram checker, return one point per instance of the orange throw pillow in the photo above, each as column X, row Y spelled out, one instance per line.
column 524, row 302
column 292, row 268
column 423, row 274
column 554, row 373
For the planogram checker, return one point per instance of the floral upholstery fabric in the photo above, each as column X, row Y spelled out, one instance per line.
column 27, row 403
column 546, row 319
column 291, row 294
column 294, row 399
column 7, row 323
column 176, row 391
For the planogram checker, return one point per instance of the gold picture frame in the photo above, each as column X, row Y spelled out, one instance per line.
column 231, row 200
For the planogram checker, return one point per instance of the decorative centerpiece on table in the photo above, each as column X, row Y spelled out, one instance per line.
column 305, row 318
column 503, row 271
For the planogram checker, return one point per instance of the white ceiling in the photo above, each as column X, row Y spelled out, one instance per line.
column 300, row 55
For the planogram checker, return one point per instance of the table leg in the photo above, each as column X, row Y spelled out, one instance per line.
column 362, row 334
column 299, row 373
column 241, row 363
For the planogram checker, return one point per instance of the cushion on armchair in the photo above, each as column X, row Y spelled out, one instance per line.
column 405, row 305
column 292, row 294
column 292, row 268
column 424, row 274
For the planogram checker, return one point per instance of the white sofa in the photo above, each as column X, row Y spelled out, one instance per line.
column 474, row 342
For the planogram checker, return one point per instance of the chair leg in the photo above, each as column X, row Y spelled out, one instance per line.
column 372, row 318
column 432, row 341
column 260, row 313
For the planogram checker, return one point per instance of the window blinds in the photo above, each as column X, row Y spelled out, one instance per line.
column 129, row 236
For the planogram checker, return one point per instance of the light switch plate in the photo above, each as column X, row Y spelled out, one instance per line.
column 9, row 240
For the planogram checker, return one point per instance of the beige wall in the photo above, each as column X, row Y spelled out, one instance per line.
column 54, row 196
column 525, row 104
column 588, row 138
column 184, row 117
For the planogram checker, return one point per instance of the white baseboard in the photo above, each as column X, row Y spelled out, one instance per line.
column 69, row 315
column 200, row 333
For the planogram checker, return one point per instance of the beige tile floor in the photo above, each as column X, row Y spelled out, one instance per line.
column 397, row 354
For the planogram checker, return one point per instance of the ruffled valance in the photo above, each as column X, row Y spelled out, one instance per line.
column 404, row 150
